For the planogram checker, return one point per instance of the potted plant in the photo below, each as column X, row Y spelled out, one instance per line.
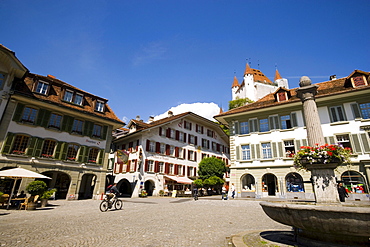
column 161, row 193
column 36, row 189
column 143, row 193
column 46, row 195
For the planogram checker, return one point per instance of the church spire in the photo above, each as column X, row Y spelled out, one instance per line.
column 235, row 82
column 277, row 75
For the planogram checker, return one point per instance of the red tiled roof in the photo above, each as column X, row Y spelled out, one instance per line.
column 327, row 88
column 257, row 74
column 235, row 82
column 277, row 75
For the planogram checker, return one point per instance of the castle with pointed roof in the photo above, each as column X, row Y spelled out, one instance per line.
column 256, row 85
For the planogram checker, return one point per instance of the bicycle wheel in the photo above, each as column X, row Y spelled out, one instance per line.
column 104, row 206
column 118, row 205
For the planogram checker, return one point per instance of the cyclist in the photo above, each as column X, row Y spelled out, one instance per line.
column 195, row 192
column 112, row 191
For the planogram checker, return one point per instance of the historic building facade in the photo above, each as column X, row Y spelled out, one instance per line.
column 54, row 128
column 265, row 135
column 164, row 154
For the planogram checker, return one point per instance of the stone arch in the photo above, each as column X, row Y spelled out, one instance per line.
column 60, row 181
column 149, row 186
column 87, row 186
column 294, row 182
column 270, row 184
column 125, row 188
column 354, row 182
column 248, row 183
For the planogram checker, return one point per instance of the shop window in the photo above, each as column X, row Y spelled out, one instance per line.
column 248, row 183
column 93, row 155
column 72, row 151
column 244, row 128
column 289, row 148
column 294, row 182
column 48, row 149
column 337, row 114
column 42, row 87
column 55, row 121
column 20, row 144
column 77, row 126
column 266, row 151
column 344, row 141
column 270, row 184
column 354, row 182
column 29, row 115
column 246, row 152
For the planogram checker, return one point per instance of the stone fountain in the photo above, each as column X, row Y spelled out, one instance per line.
column 326, row 220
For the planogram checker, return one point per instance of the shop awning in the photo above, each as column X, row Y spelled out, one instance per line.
column 180, row 180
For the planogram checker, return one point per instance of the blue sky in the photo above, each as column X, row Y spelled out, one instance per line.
column 148, row 56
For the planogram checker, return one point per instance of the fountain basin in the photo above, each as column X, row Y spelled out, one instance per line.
column 332, row 223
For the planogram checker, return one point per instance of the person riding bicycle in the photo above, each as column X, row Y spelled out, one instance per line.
column 112, row 191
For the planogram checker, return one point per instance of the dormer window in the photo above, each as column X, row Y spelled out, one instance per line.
column 99, row 106
column 78, row 99
column 73, row 97
column 358, row 81
column 68, row 96
column 282, row 95
column 42, row 87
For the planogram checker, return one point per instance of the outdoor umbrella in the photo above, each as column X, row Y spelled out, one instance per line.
column 19, row 173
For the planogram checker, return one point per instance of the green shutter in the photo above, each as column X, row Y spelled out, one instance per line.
column 356, row 110
column 67, row 123
column 271, row 123
column 40, row 117
column 274, row 150
column 356, row 144
column 46, row 119
column 331, row 140
column 60, row 153
column 88, row 128
column 101, row 157
column 304, row 142
column 258, row 151
column 293, row 116
column 104, row 134
column 237, row 152
column 18, row 112
column 365, row 142
column 84, row 154
column 281, row 149
column 37, row 147
column 297, row 144
column 253, row 151
column 8, row 143
column 236, row 128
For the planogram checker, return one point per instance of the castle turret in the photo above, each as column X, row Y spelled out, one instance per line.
column 280, row 81
column 234, row 88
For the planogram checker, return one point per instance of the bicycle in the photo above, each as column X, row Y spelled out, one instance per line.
column 108, row 203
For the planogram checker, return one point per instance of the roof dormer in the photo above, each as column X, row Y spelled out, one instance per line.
column 282, row 95
column 358, row 78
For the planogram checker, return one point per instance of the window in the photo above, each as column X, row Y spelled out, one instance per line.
column 210, row 133
column 78, row 99
column 344, row 141
column 246, row 152
column 205, row 143
column 365, row 110
column 97, row 130
column 337, row 114
column 170, row 169
column 77, row 126
column 55, row 121
column 285, row 122
column 264, row 125
column 181, row 137
column 29, row 115
column 48, row 149
column 187, row 125
column 354, row 182
column 289, row 148
column 160, row 167
column 266, row 151
column 93, row 155
column 191, row 155
column 20, row 144
column 191, row 171
column 99, row 106
column 151, row 146
column 294, row 182
column 72, row 152
column 150, row 166
column 172, row 150
column 179, row 170
column 192, row 139
column 163, row 148
column 244, row 128
column 2, row 80
column 68, row 96
column 253, row 125
column 42, row 87
column 199, row 129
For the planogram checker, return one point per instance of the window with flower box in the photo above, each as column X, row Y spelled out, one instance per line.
column 72, row 151
column 93, row 155
column 20, row 144
column 48, row 149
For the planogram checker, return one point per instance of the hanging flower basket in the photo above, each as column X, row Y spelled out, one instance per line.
column 325, row 156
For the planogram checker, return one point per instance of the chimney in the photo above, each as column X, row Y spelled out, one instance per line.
column 170, row 113
column 137, row 118
column 51, row 76
column 151, row 119
column 333, row 77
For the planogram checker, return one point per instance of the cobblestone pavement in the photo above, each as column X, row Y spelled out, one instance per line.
column 142, row 222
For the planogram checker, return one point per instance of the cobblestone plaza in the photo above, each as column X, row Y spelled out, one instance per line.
column 141, row 222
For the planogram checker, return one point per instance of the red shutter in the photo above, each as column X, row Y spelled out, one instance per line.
column 147, row 145
column 195, row 171
column 176, row 151
column 146, row 166
column 184, row 153
column 190, row 126
column 177, row 135
column 188, row 173
column 120, row 168
column 183, row 170
column 184, row 137
column 175, row 169
column 123, row 146
column 166, row 168
column 195, row 156
column 135, row 167
column 128, row 166
column 156, row 166
column 167, row 149
column 196, row 127
column 168, row 132
column 188, row 154
column 160, row 131
column 157, row 147
column 196, row 140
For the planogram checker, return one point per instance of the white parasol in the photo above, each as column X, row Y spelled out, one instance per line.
column 19, row 173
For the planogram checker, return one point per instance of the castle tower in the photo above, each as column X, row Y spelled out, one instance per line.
column 234, row 88
column 281, row 82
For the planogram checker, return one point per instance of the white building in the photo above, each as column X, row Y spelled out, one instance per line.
column 265, row 134
column 164, row 154
column 256, row 85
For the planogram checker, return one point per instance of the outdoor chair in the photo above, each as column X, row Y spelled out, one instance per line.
column 24, row 204
column 4, row 199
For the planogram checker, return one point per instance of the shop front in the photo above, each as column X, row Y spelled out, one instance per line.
column 176, row 186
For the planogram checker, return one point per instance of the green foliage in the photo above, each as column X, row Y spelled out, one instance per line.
column 239, row 102
column 213, row 181
column 198, row 183
column 225, row 129
column 48, row 193
column 161, row 192
column 36, row 188
column 211, row 166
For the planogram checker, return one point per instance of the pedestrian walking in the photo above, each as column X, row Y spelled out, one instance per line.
column 224, row 192
column 232, row 189
column 342, row 192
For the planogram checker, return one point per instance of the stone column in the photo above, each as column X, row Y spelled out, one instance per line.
column 307, row 93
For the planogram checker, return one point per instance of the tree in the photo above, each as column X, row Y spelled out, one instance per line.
column 213, row 181
column 211, row 166
column 239, row 102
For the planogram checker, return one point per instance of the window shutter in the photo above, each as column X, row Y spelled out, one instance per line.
column 176, row 151
column 146, row 166
column 331, row 140
column 147, row 145
column 258, row 150
column 167, row 149
column 183, row 170
column 100, row 161
column 365, row 142
column 156, row 166
column 177, row 135
column 271, row 123
column 82, row 157
column 293, row 116
column 253, row 151
column 277, row 123
column 135, row 165
column 281, row 149
column 274, row 150
column 195, row 171
column 58, row 154
column 18, row 112
column 166, row 168
column 236, row 128
column 184, row 153
column 160, row 131
column 356, row 144
column 43, row 118
column 356, row 110
column 128, row 167
column 67, row 123
column 304, row 142
column 298, row 144
column 176, row 167
column 237, row 153
column 190, row 126
column 184, row 137
column 8, row 143
column 195, row 156
column 168, row 132
column 104, row 133
column 196, row 140
column 35, row 146
column 88, row 128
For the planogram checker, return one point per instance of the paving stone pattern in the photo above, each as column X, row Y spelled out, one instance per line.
column 142, row 222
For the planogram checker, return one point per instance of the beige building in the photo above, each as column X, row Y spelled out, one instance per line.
column 51, row 127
